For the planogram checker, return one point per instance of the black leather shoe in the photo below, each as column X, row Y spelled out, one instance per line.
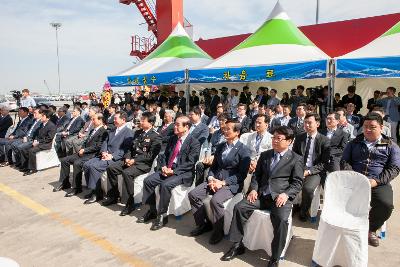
column 89, row 195
column 235, row 250
column 60, row 187
column 201, row 229
column 149, row 215
column 109, row 201
column 373, row 239
column 160, row 222
column 216, row 237
column 127, row 210
column 29, row 172
column 273, row 263
column 73, row 192
column 91, row 200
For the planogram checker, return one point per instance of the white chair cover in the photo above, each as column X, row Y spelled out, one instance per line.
column 258, row 232
column 315, row 203
column 7, row 262
column 47, row 158
column 229, row 205
column 179, row 203
column 342, row 237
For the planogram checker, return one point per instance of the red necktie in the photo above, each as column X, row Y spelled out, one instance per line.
column 175, row 153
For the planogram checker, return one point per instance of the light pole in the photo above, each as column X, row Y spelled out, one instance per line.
column 317, row 13
column 57, row 25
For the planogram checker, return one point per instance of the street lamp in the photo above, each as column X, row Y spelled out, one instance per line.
column 57, row 25
column 317, row 13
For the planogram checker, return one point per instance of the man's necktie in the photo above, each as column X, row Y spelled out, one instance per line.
column 175, row 153
column 258, row 142
column 275, row 161
column 307, row 149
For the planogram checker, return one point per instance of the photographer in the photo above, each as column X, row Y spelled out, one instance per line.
column 26, row 99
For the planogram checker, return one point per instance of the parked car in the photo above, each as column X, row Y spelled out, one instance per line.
column 11, row 105
column 42, row 100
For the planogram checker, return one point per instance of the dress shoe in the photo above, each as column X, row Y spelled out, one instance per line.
column 29, row 172
column 216, row 236
column 273, row 263
column 109, row 201
column 159, row 222
column 149, row 215
column 60, row 187
column 91, row 200
column 87, row 196
column 201, row 229
column 235, row 250
column 128, row 209
column 303, row 216
column 373, row 239
column 73, row 192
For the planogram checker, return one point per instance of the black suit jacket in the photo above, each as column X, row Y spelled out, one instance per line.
column 76, row 126
column 194, row 101
column 5, row 123
column 166, row 134
column 337, row 143
column 297, row 129
column 182, row 104
column 321, row 152
column 34, row 130
column 62, row 123
column 213, row 104
column 234, row 168
column 22, row 128
column 145, row 148
column 92, row 144
column 187, row 158
column 45, row 135
column 246, row 125
column 286, row 177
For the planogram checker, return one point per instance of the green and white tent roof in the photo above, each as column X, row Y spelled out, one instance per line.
column 277, row 41
column 178, row 52
column 378, row 59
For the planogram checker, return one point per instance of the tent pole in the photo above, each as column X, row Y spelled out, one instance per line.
column 331, row 84
column 187, row 90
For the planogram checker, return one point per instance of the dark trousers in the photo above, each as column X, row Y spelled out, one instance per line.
column 30, row 154
column 279, row 219
column 20, row 158
column 196, row 197
column 166, row 185
column 200, row 170
column 128, row 175
column 65, row 170
column 381, row 206
column 310, row 183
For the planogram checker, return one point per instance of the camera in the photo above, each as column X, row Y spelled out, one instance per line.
column 16, row 94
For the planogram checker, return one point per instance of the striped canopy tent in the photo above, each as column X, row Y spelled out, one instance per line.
column 378, row 59
column 278, row 50
column 166, row 64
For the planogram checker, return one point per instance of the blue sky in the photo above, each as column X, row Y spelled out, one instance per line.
column 95, row 34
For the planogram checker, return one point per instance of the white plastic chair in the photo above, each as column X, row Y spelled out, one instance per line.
column 315, row 203
column 179, row 203
column 258, row 232
column 47, row 158
column 342, row 237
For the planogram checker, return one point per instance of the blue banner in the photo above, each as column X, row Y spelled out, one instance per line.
column 294, row 71
column 175, row 77
column 385, row 67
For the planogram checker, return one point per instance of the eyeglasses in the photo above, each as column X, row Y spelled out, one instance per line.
column 220, row 106
column 278, row 139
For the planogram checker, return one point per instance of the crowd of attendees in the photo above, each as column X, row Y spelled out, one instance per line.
column 286, row 146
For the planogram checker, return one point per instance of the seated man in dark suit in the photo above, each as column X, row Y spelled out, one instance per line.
column 166, row 131
column 24, row 142
column 74, row 126
column 18, row 132
column 297, row 123
column 5, row 121
column 198, row 129
column 314, row 148
column 176, row 167
column 137, row 161
column 275, row 184
column 43, row 141
column 244, row 120
column 112, row 150
column 90, row 148
column 338, row 140
column 225, row 179
column 63, row 120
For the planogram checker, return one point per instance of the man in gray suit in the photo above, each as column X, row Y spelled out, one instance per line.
column 275, row 184
column 198, row 129
column 113, row 149
column 391, row 105
column 225, row 179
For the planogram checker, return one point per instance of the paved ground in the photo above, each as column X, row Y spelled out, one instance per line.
column 42, row 228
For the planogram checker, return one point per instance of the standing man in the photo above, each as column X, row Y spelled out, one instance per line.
column 372, row 102
column 352, row 97
column 378, row 158
column 137, row 160
column 314, row 148
column 273, row 101
column 233, row 101
column 44, row 141
column 26, row 100
column 112, row 150
column 182, row 102
column 176, row 167
column 391, row 105
column 338, row 140
column 225, row 179
column 90, row 148
column 245, row 97
column 275, row 184
column 215, row 101
column 194, row 99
